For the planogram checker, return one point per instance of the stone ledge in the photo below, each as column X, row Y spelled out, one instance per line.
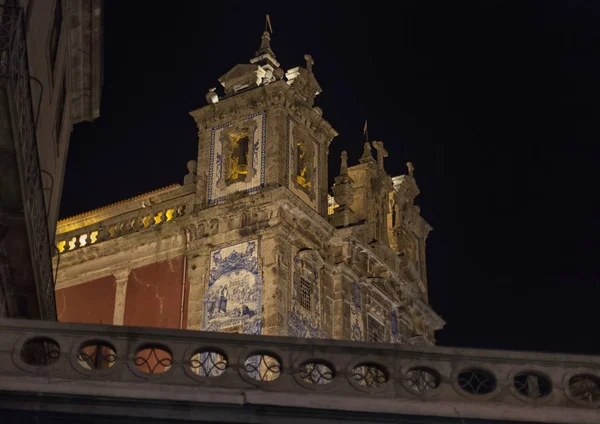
column 125, row 381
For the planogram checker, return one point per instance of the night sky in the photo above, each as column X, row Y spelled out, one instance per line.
column 496, row 103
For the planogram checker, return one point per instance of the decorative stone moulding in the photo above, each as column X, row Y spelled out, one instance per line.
column 476, row 382
column 113, row 228
column 156, row 362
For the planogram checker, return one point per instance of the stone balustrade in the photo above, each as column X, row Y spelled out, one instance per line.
column 120, row 225
column 176, row 367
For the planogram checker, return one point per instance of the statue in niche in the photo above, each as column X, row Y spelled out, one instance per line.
column 223, row 300
column 240, row 147
column 303, row 170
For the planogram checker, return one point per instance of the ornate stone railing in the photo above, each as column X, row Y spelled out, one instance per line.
column 120, row 225
column 14, row 75
column 190, row 368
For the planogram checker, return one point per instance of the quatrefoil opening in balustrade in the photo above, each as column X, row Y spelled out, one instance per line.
column 422, row 380
column 585, row 388
column 96, row 355
column 208, row 363
column 532, row 385
column 153, row 359
column 316, row 372
column 40, row 352
column 369, row 375
column 263, row 367
column 477, row 381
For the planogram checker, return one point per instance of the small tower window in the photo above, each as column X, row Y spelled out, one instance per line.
column 305, row 293
column 375, row 330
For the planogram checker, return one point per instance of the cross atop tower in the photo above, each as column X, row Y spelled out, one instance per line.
column 381, row 152
column 309, row 62
column 411, row 169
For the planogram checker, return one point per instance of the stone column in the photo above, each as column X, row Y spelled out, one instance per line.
column 328, row 283
column 122, row 276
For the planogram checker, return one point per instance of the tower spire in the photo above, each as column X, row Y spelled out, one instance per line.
column 265, row 45
column 265, row 56
column 265, row 40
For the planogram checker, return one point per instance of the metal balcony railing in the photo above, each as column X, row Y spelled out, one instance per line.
column 14, row 76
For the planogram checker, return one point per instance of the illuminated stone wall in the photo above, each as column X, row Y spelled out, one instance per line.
column 253, row 244
column 307, row 190
column 233, row 298
column 219, row 183
column 307, row 297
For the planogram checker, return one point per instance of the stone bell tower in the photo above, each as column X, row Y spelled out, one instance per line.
column 249, row 244
column 263, row 132
column 261, row 199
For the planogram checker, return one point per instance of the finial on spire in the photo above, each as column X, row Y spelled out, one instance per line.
column 265, row 54
column 344, row 165
column 309, row 62
column 411, row 169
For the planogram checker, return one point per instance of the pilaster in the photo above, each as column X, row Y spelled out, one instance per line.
column 122, row 277
column 275, row 276
column 197, row 274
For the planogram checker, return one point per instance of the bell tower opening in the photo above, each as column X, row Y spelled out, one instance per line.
column 239, row 157
column 303, row 168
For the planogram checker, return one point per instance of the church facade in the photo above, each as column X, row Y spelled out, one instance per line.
column 253, row 242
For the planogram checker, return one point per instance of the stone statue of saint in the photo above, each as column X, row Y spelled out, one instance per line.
column 223, row 300
column 411, row 169
column 302, row 165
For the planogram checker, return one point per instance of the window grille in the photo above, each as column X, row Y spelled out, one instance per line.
column 305, row 292
column 375, row 330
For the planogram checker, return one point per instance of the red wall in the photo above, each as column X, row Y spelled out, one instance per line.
column 154, row 295
column 153, row 298
column 92, row 302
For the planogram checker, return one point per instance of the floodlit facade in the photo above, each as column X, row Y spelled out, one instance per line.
column 251, row 242
column 249, row 294
column 50, row 79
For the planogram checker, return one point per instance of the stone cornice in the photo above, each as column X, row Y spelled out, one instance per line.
column 119, row 255
column 116, row 245
column 433, row 320
column 276, row 95
column 150, row 200
column 257, row 210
